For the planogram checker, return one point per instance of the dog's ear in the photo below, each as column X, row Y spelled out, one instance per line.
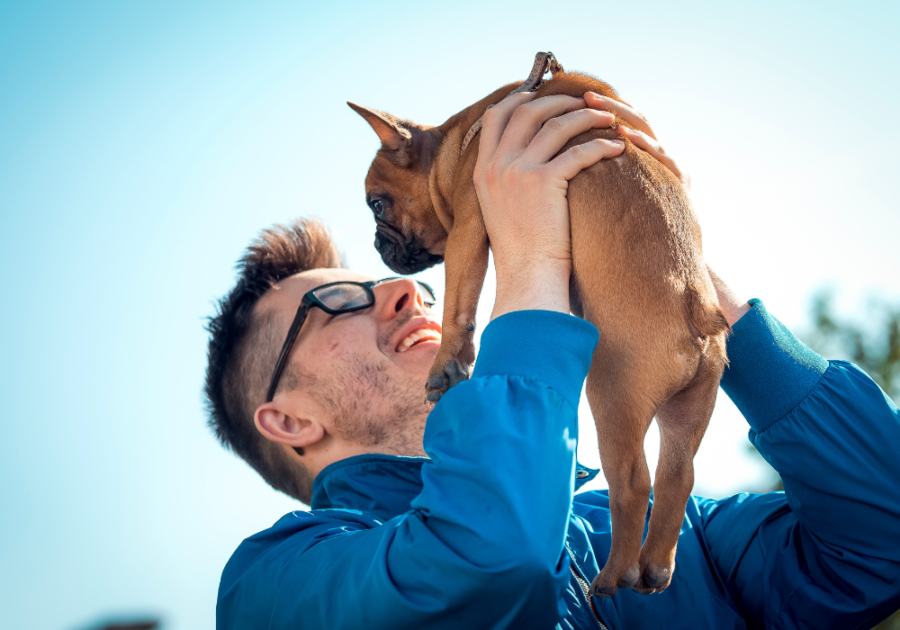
column 392, row 134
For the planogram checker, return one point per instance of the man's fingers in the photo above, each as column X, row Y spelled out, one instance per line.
column 495, row 121
column 578, row 158
column 528, row 119
column 652, row 147
column 645, row 142
column 640, row 132
column 627, row 113
column 556, row 132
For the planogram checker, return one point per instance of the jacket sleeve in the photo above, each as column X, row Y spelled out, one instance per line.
column 826, row 552
column 483, row 544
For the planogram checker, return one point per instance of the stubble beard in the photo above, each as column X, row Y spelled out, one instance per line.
column 372, row 409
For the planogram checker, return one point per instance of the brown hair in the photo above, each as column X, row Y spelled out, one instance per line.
column 243, row 348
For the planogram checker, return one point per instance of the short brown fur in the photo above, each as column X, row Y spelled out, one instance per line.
column 638, row 275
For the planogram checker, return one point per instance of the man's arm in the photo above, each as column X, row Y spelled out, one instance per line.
column 826, row 553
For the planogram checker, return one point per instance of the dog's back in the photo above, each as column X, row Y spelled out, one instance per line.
column 639, row 276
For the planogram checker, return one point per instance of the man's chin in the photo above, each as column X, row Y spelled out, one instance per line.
column 413, row 367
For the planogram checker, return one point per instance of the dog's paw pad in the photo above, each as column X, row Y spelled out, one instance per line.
column 437, row 384
column 630, row 577
column 602, row 590
column 656, row 577
column 455, row 373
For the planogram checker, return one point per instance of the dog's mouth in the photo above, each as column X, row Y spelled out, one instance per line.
column 402, row 255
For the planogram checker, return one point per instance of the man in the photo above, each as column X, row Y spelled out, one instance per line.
column 316, row 378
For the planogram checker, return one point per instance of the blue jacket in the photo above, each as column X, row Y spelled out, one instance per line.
column 488, row 533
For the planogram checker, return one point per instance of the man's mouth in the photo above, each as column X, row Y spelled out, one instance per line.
column 416, row 337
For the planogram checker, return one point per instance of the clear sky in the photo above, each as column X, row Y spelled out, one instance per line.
column 142, row 146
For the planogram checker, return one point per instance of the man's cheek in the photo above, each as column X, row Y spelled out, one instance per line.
column 347, row 344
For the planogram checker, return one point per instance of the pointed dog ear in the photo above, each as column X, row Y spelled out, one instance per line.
column 392, row 134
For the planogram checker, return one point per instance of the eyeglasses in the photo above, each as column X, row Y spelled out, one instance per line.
column 335, row 298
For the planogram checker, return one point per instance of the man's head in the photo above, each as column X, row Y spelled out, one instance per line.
column 350, row 385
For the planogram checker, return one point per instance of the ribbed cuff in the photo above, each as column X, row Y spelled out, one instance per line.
column 552, row 347
column 770, row 371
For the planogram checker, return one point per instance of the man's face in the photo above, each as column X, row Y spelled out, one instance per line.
column 364, row 370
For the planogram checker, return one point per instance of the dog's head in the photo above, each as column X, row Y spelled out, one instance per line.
column 408, row 234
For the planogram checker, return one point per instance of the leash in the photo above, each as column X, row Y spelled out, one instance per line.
column 543, row 62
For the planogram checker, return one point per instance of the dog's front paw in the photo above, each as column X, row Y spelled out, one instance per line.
column 440, row 379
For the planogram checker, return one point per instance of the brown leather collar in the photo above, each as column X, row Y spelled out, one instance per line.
column 543, row 61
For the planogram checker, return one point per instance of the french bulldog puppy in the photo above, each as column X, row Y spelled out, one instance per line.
column 638, row 275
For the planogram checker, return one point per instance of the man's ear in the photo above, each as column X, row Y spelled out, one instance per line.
column 278, row 426
column 392, row 134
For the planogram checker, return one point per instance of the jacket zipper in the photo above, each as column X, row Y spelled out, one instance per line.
column 584, row 589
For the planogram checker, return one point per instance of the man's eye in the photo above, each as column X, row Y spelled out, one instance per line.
column 378, row 207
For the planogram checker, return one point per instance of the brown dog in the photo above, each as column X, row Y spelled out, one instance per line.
column 638, row 275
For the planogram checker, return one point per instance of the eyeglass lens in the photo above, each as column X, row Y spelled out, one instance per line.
column 343, row 296
column 427, row 294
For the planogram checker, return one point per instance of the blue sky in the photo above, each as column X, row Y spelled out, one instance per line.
column 142, row 145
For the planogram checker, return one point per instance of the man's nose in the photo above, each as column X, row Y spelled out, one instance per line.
column 396, row 296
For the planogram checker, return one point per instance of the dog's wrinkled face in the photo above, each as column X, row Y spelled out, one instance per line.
column 408, row 234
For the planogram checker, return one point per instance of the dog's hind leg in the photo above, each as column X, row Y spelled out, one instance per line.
column 622, row 422
column 682, row 422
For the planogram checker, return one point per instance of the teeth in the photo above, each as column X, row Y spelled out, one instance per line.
column 418, row 335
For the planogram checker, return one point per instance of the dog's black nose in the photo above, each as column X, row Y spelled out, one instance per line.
column 404, row 258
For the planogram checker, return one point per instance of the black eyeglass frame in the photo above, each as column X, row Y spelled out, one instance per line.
column 310, row 301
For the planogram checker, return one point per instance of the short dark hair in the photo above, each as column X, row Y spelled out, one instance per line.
column 243, row 347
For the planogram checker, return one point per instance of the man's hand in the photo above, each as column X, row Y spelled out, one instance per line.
column 522, row 192
column 641, row 135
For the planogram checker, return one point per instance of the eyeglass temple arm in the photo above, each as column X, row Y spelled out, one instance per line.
column 294, row 330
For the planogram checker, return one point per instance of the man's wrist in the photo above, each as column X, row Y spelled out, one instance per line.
column 733, row 311
column 770, row 371
column 543, row 287
column 554, row 348
column 733, row 307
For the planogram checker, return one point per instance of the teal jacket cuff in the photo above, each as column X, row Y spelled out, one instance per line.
column 547, row 346
column 770, row 370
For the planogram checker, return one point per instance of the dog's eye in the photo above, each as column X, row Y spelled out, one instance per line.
column 377, row 206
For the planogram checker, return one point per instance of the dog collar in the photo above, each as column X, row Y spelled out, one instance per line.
column 543, row 61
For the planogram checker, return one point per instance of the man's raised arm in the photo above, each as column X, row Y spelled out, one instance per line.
column 826, row 553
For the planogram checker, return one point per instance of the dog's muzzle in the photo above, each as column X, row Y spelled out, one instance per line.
column 404, row 256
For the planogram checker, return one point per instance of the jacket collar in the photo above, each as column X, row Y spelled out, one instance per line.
column 382, row 485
